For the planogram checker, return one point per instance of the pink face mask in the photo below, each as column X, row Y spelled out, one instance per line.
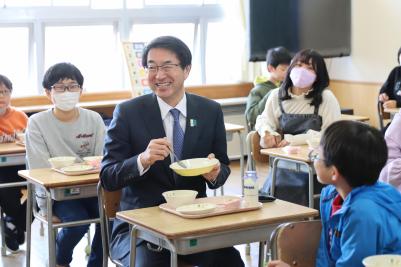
column 302, row 77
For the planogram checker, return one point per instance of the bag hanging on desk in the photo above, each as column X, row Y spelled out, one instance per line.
column 293, row 186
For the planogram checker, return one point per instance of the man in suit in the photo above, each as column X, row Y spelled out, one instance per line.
column 139, row 141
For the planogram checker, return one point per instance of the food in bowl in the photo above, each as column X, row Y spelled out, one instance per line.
column 60, row 162
column 176, row 198
column 93, row 161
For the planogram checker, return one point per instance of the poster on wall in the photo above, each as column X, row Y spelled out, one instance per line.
column 137, row 74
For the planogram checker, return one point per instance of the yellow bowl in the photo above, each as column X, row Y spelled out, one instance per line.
column 389, row 260
column 195, row 166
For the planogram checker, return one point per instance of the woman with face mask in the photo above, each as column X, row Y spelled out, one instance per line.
column 66, row 130
column 302, row 103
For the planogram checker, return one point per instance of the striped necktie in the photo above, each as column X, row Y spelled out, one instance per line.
column 178, row 133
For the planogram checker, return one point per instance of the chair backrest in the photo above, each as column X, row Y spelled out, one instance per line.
column 109, row 203
column 296, row 243
column 253, row 146
column 383, row 116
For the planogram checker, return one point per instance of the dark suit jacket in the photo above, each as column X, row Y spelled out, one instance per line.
column 137, row 121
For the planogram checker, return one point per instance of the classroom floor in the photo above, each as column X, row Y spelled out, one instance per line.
column 39, row 243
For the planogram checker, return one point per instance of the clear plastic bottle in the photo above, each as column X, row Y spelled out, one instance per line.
column 251, row 189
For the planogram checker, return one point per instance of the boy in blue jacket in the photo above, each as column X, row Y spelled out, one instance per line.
column 360, row 216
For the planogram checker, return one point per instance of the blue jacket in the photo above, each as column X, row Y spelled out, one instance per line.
column 368, row 223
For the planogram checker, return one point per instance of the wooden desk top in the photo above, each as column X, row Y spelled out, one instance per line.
column 392, row 110
column 51, row 179
column 353, row 117
column 173, row 226
column 11, row 148
column 279, row 152
column 230, row 127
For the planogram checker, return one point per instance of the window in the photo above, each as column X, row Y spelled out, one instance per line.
column 88, row 33
column 14, row 54
column 95, row 54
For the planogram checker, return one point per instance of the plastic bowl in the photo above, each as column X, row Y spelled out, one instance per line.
column 94, row 161
column 389, row 260
column 21, row 137
column 194, row 167
column 60, row 162
column 313, row 143
column 176, row 198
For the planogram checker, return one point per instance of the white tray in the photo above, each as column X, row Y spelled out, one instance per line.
column 220, row 210
column 97, row 170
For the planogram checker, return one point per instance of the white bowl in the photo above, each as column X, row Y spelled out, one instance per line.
column 389, row 260
column 194, row 167
column 21, row 137
column 60, row 162
column 176, row 198
column 199, row 208
column 94, row 161
column 313, row 142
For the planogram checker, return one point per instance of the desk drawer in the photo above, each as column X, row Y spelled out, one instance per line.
column 73, row 192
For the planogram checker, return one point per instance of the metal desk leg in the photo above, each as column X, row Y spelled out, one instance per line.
column 241, row 160
column 274, row 173
column 311, row 189
column 29, row 210
column 173, row 254
column 133, row 247
column 50, row 231
column 261, row 254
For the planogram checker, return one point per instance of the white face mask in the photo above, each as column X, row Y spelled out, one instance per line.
column 3, row 111
column 66, row 101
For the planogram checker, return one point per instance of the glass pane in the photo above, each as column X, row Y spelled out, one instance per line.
column 173, row 2
column 70, row 2
column 106, row 4
column 27, row 2
column 223, row 58
column 93, row 49
column 134, row 3
column 14, row 63
column 185, row 31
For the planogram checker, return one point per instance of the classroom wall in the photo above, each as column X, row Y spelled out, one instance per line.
column 376, row 38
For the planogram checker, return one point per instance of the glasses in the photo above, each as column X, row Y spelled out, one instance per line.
column 314, row 155
column 5, row 92
column 60, row 88
column 165, row 68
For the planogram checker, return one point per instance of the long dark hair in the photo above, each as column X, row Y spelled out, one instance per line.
column 322, row 76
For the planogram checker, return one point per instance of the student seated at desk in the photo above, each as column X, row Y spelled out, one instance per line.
column 302, row 103
column 277, row 61
column 391, row 173
column 390, row 93
column 66, row 130
column 12, row 121
column 138, row 148
column 360, row 216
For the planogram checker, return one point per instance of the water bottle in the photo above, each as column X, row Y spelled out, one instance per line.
column 251, row 189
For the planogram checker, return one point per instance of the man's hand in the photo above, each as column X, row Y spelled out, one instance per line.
column 390, row 104
column 383, row 97
column 270, row 141
column 212, row 175
column 158, row 149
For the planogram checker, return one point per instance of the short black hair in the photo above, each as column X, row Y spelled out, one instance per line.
column 61, row 71
column 322, row 76
column 278, row 55
column 357, row 150
column 6, row 82
column 173, row 44
column 398, row 55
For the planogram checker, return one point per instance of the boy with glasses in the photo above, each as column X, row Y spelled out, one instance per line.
column 66, row 130
column 360, row 216
column 12, row 121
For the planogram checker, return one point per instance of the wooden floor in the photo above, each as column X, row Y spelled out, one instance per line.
column 39, row 243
